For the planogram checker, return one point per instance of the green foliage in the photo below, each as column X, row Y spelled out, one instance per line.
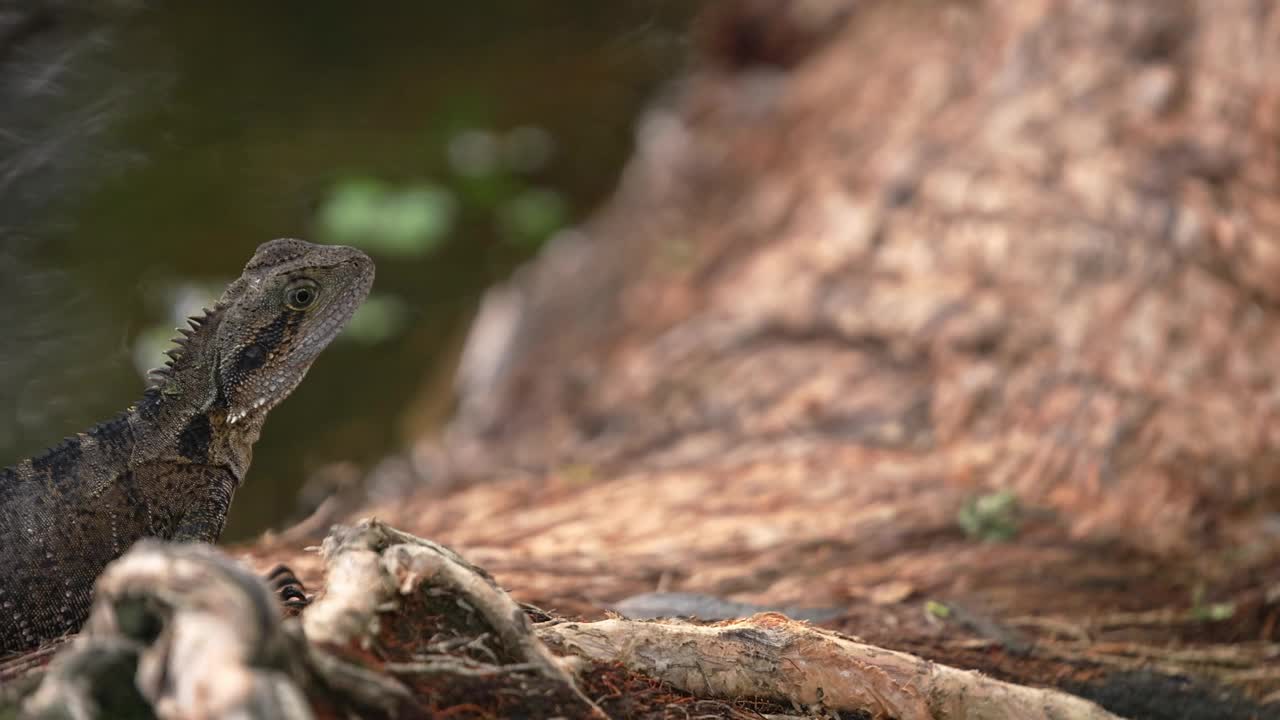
column 1214, row 612
column 993, row 517
column 937, row 609
column 490, row 188
column 491, row 181
column 400, row 222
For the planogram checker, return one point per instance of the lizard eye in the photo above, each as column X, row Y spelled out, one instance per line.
column 301, row 294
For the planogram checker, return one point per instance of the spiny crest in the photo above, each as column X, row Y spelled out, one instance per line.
column 158, row 378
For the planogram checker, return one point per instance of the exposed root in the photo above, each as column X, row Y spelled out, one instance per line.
column 773, row 657
column 372, row 566
column 405, row 623
column 450, row 666
column 178, row 631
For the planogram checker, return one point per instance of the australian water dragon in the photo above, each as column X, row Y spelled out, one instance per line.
column 168, row 466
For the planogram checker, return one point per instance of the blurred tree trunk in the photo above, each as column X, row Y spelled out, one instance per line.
column 875, row 261
column 1029, row 243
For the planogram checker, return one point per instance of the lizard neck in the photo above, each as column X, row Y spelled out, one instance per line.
column 173, row 429
column 183, row 417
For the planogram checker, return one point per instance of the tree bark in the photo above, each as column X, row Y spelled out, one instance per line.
column 884, row 283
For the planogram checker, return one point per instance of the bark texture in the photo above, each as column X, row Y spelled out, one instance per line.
column 1026, row 245
column 769, row 655
column 879, row 265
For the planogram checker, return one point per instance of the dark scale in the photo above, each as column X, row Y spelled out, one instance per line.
column 196, row 439
column 114, row 436
column 9, row 480
column 59, row 462
column 251, row 358
column 168, row 466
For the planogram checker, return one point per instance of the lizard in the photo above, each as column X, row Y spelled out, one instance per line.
column 167, row 466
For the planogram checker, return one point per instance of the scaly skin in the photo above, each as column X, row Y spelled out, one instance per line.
column 168, row 466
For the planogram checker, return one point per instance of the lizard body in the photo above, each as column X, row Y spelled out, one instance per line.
column 168, row 466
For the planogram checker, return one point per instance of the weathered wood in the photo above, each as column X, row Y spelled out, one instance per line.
column 182, row 632
column 372, row 565
column 772, row 656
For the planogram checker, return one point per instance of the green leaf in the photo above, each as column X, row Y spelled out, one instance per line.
column 414, row 221
column 351, row 212
column 993, row 517
column 371, row 215
column 937, row 609
column 1218, row 612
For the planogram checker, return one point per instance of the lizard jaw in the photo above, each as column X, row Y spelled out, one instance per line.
column 239, row 415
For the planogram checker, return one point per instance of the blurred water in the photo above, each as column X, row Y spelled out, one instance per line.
column 141, row 169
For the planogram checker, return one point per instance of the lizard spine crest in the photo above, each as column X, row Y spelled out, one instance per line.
column 158, row 378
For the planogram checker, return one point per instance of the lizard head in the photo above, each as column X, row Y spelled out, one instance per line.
column 289, row 304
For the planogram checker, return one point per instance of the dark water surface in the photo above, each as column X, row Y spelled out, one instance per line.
column 143, row 158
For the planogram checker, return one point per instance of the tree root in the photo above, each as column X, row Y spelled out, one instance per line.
column 372, row 565
column 180, row 631
column 176, row 631
column 771, row 656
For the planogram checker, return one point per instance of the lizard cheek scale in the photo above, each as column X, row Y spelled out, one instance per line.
column 167, row 467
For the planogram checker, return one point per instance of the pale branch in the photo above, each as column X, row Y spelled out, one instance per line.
column 770, row 656
column 445, row 665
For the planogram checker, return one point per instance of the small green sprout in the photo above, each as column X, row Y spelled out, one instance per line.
column 993, row 517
